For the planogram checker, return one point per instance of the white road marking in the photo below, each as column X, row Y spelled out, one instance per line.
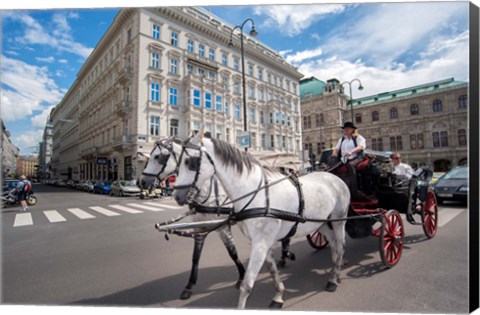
column 22, row 219
column 446, row 216
column 163, row 206
column 126, row 209
column 53, row 216
column 104, row 211
column 144, row 207
column 81, row 214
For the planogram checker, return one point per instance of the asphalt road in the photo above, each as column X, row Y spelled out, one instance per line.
column 105, row 256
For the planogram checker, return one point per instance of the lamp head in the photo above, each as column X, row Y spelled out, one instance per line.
column 230, row 43
column 253, row 32
column 360, row 87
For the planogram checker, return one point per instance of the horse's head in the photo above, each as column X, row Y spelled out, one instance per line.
column 162, row 162
column 195, row 167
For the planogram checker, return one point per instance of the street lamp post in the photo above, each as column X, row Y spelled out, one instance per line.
column 253, row 32
column 360, row 87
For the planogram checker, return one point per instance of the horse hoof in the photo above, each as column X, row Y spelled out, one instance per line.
column 331, row 287
column 186, row 294
column 276, row 305
column 281, row 264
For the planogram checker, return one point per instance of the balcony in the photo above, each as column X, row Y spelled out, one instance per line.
column 123, row 108
column 122, row 143
column 125, row 74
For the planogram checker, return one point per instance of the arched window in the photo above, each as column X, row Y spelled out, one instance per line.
column 375, row 116
column 393, row 113
column 414, row 109
column 437, row 106
column 462, row 137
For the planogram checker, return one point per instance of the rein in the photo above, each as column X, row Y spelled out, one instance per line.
column 163, row 158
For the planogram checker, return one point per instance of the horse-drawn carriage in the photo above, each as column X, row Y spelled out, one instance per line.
column 270, row 206
column 389, row 195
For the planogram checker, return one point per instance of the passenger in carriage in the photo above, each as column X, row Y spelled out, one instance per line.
column 401, row 169
column 350, row 147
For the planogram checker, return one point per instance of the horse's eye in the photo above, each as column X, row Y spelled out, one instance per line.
column 157, row 157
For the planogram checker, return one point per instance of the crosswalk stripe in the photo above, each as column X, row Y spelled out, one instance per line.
column 22, row 219
column 81, row 214
column 104, row 211
column 126, row 209
column 53, row 216
column 145, row 207
column 163, row 205
column 446, row 216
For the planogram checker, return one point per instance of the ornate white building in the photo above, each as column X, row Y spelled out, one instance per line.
column 166, row 72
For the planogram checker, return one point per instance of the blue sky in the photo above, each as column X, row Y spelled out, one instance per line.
column 388, row 46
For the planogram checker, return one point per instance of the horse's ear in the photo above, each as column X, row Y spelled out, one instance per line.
column 200, row 134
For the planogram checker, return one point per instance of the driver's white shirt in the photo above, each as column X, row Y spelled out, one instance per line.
column 349, row 145
column 403, row 169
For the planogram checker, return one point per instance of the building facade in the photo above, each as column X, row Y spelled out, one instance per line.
column 9, row 153
column 427, row 124
column 45, row 151
column 166, row 72
column 28, row 165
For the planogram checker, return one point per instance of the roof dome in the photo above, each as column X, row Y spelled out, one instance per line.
column 311, row 86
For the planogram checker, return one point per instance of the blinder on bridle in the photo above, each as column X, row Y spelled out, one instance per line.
column 193, row 164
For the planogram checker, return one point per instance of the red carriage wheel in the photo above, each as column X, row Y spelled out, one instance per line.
column 391, row 238
column 430, row 215
column 317, row 240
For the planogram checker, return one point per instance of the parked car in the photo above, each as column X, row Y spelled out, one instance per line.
column 452, row 186
column 102, row 187
column 72, row 184
column 87, row 186
column 124, row 188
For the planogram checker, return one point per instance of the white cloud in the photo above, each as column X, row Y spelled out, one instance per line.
column 47, row 59
column 292, row 19
column 28, row 140
column 39, row 121
column 59, row 37
column 303, row 55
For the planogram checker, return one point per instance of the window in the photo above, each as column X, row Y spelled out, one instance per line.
column 154, row 126
column 173, row 127
column 396, row 143
column 236, row 87
column 318, row 120
column 173, row 96
column 227, row 109
column 218, row 102
column 261, row 95
column 463, row 102
column 155, row 92
column 237, row 111
column 190, row 69
column 462, row 137
column 440, row 139
column 260, row 74
column 413, row 142
column 235, row 64
column 174, row 66
column 156, row 31
column 174, row 39
column 375, row 116
column 250, row 70
column 224, row 59
column 358, row 118
column 155, row 60
column 196, row 98
column 251, row 91
column 377, row 144
column 277, row 117
column 208, row 100
column 212, row 75
column 414, row 109
column 437, row 106
column 262, row 117
column 252, row 114
column 393, row 113
column 201, row 50
column 211, row 54
column 190, row 46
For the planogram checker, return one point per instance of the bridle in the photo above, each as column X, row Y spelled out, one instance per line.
column 162, row 159
column 193, row 164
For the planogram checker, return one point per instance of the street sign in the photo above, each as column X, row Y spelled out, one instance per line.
column 244, row 140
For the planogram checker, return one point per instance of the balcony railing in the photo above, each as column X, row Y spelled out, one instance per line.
column 122, row 143
column 125, row 74
column 123, row 108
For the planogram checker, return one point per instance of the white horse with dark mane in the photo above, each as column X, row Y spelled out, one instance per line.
column 162, row 163
column 268, row 205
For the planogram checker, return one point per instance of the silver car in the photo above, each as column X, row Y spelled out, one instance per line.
column 124, row 188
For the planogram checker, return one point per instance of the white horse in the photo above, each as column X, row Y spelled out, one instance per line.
column 268, row 205
column 162, row 163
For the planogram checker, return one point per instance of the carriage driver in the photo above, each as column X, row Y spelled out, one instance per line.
column 350, row 146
